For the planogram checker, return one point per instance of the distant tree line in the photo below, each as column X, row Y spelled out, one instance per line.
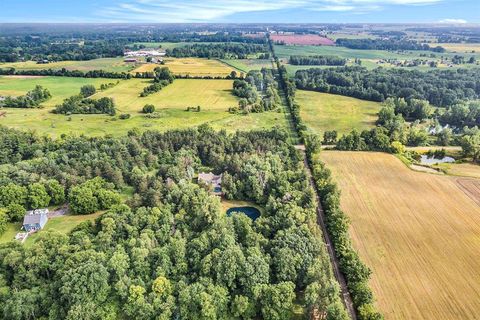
column 50, row 48
column 317, row 60
column 67, row 73
column 386, row 44
column 32, row 99
column 440, row 87
column 218, row 50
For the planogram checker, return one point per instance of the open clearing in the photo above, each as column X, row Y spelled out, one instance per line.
column 59, row 87
column 323, row 111
column 195, row 67
column 418, row 232
column 213, row 96
column 107, row 64
column 245, row 65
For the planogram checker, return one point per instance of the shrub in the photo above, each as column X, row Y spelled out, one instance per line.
column 148, row 108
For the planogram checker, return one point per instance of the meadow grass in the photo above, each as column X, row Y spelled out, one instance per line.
column 59, row 87
column 323, row 112
column 190, row 66
column 213, row 96
column 418, row 232
column 246, row 65
column 107, row 64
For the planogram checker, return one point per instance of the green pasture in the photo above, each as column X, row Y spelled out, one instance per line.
column 107, row 64
column 324, row 112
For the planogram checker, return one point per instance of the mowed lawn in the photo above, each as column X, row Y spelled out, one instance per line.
column 195, row 67
column 107, row 64
column 418, row 232
column 213, row 96
column 323, row 112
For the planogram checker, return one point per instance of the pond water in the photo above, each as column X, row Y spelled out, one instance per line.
column 431, row 160
column 251, row 212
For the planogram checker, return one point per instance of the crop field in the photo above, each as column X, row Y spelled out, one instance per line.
column 461, row 47
column 213, row 96
column 107, row 64
column 302, row 39
column 418, row 232
column 323, row 111
column 191, row 66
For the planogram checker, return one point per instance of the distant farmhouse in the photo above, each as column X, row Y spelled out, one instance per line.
column 144, row 53
column 213, row 181
column 35, row 220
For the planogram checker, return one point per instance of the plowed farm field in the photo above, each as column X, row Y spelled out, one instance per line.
column 418, row 232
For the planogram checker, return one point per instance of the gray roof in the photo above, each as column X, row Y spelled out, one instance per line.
column 32, row 218
column 210, row 178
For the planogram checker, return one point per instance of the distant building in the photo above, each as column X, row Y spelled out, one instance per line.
column 35, row 220
column 212, row 180
column 130, row 60
column 144, row 53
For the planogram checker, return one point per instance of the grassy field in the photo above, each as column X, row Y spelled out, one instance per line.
column 191, row 66
column 418, row 232
column 59, row 87
column 107, row 64
column 322, row 112
column 246, row 65
column 213, row 96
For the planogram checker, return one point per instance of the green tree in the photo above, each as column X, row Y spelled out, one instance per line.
column 82, row 200
column 275, row 300
column 148, row 108
column 3, row 220
column 13, row 194
column 37, row 196
column 87, row 90
column 56, row 192
column 15, row 212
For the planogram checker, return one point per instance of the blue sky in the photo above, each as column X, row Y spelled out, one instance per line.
column 164, row 11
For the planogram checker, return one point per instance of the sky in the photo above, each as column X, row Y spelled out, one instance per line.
column 241, row 11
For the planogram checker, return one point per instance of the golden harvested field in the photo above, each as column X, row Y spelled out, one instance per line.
column 418, row 232
column 460, row 47
column 191, row 66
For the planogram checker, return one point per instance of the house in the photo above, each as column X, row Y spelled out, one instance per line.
column 212, row 180
column 35, row 220
column 130, row 60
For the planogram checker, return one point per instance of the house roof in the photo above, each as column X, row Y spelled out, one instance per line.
column 35, row 216
column 210, row 178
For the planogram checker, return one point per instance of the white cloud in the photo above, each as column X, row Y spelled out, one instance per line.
column 215, row 10
column 453, row 21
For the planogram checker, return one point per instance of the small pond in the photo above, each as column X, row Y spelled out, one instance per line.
column 431, row 160
column 251, row 212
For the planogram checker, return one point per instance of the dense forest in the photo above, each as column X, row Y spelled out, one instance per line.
column 258, row 91
column 219, row 50
column 393, row 43
column 32, row 99
column 171, row 253
column 317, row 60
column 440, row 87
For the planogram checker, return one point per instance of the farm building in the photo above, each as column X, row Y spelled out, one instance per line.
column 130, row 60
column 213, row 181
column 35, row 220
column 144, row 53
